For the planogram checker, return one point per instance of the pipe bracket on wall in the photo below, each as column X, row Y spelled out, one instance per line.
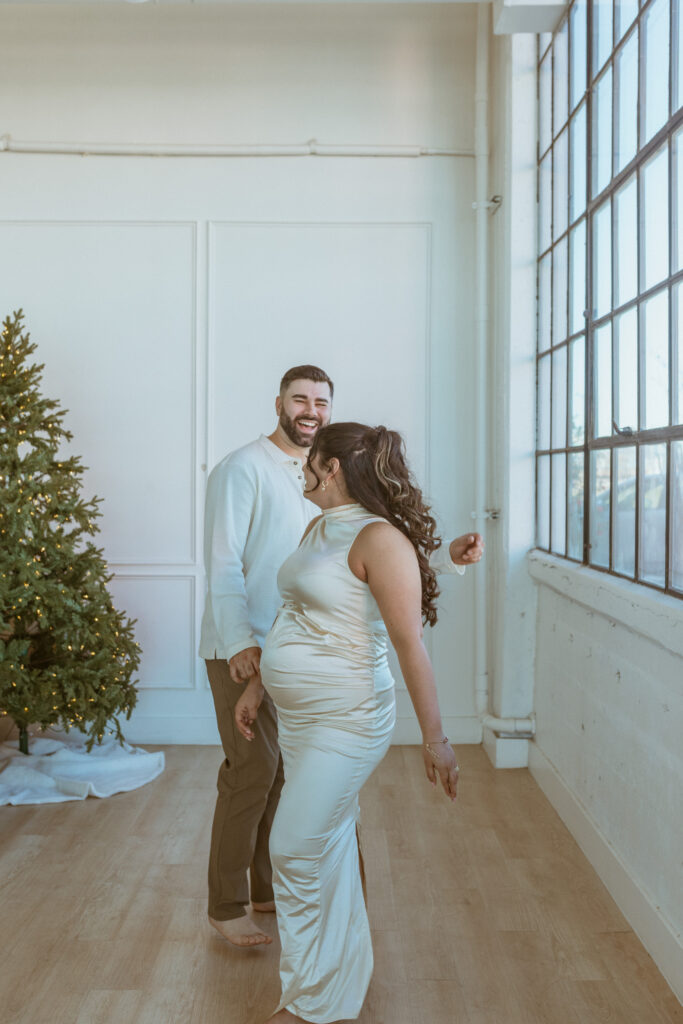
column 492, row 204
column 487, row 513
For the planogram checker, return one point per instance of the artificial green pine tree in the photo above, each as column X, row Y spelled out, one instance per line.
column 67, row 656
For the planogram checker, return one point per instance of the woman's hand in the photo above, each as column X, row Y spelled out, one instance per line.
column 439, row 759
column 246, row 708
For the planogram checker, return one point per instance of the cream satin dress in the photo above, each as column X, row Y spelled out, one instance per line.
column 324, row 664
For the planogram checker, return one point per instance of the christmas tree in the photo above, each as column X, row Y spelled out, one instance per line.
column 67, row 656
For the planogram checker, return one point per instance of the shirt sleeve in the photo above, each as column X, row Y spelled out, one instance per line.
column 441, row 562
column 231, row 495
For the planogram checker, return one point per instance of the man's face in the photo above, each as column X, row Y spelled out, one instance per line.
column 305, row 407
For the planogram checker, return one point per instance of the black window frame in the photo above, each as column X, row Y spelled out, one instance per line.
column 619, row 437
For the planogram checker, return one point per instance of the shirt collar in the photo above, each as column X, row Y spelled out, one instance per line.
column 277, row 454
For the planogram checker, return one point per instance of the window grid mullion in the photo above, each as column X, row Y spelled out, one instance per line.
column 588, row 312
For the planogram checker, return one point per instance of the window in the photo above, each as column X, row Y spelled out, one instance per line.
column 609, row 458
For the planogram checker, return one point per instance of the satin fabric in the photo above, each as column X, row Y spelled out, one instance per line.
column 324, row 664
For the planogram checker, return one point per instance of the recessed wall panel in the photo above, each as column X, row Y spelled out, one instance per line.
column 111, row 308
column 163, row 607
column 350, row 298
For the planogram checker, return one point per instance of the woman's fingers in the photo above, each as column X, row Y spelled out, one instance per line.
column 244, row 716
column 429, row 768
column 449, row 781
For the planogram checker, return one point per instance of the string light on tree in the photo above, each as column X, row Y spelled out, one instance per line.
column 58, row 633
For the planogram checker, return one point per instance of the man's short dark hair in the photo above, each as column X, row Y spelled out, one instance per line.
column 306, row 372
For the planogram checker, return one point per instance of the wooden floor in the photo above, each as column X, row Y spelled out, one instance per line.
column 484, row 912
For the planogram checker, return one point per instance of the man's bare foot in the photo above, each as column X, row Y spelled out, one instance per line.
column 264, row 908
column 241, row 931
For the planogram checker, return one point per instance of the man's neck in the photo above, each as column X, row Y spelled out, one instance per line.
column 281, row 441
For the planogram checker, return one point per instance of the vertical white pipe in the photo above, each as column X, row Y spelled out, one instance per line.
column 481, row 326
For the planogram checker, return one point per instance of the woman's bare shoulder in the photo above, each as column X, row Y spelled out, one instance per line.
column 382, row 535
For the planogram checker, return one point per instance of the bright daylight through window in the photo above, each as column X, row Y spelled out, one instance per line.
column 609, row 463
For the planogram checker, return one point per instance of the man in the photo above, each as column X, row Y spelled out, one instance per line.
column 256, row 512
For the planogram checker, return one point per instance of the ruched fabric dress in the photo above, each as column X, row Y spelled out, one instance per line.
column 324, row 664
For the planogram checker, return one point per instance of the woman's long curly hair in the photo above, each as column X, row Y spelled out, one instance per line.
column 376, row 475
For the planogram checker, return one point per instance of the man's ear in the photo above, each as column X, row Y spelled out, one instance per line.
column 278, row 405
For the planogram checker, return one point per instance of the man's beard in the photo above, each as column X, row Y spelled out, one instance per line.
column 296, row 436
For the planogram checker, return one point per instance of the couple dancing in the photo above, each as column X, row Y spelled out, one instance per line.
column 317, row 684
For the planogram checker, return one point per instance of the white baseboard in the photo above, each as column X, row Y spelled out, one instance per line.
column 458, row 730
column 185, row 730
column 656, row 933
column 202, row 730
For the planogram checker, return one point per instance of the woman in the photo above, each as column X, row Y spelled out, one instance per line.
column 361, row 572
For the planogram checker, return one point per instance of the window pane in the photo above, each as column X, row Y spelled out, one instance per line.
column 655, row 73
column 677, row 514
column 654, row 218
column 577, row 31
column 543, row 502
column 543, row 403
column 577, row 390
column 577, row 282
column 677, row 304
column 678, row 199
column 577, row 166
column 544, row 203
column 602, row 260
column 652, row 512
column 626, row 127
column 599, row 507
column 560, row 291
column 575, row 506
column 602, row 133
column 559, row 409
column 678, row 57
column 624, row 525
column 544, row 41
column 626, row 370
column 560, row 79
column 655, row 325
column 559, row 504
column 560, row 183
column 625, row 11
column 544, row 341
column 602, row 386
column 602, row 32
column 626, row 241
column 544, row 103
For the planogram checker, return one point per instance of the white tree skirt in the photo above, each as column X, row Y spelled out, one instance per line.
column 62, row 769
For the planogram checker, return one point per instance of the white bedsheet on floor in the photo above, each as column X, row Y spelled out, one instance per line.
column 62, row 769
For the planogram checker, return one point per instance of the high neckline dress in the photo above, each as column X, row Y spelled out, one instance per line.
column 324, row 664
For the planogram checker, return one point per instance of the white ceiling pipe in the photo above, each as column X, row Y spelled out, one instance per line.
column 482, row 513
column 310, row 148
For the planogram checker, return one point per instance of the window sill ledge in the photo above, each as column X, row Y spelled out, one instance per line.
column 658, row 617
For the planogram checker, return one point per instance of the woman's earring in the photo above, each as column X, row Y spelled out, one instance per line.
column 323, row 485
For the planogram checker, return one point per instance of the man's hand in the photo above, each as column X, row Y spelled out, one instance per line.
column 245, row 664
column 466, row 550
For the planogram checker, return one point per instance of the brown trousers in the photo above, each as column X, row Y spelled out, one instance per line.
column 249, row 783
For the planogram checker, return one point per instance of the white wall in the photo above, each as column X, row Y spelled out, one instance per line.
column 609, row 704
column 242, row 74
column 168, row 295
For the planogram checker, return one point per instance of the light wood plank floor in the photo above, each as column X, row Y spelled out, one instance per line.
column 484, row 912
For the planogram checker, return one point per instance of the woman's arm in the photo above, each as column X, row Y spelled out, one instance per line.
column 393, row 575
